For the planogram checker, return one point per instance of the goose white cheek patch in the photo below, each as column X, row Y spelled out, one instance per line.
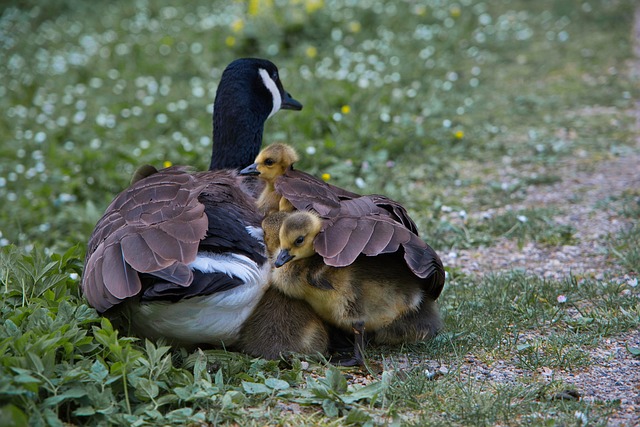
column 273, row 88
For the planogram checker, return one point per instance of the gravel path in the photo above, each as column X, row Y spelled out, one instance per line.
column 592, row 217
column 615, row 373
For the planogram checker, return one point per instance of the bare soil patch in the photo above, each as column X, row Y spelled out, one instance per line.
column 584, row 194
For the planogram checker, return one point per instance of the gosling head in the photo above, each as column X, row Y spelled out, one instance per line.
column 272, row 162
column 297, row 233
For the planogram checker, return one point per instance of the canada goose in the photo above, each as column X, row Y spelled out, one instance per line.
column 180, row 255
column 379, row 293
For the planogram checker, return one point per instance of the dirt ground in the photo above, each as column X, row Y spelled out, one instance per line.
column 615, row 373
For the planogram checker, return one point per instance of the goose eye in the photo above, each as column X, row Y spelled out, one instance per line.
column 274, row 76
column 299, row 241
column 269, row 162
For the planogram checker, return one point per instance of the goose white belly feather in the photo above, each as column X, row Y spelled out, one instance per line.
column 208, row 319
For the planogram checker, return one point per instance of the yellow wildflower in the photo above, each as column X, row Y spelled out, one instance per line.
column 230, row 41
column 345, row 109
column 167, row 164
column 326, row 177
column 237, row 25
column 455, row 11
column 355, row 26
column 314, row 5
column 312, row 52
column 458, row 134
column 256, row 6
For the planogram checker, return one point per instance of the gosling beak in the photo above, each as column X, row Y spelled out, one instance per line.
column 288, row 103
column 283, row 257
column 251, row 170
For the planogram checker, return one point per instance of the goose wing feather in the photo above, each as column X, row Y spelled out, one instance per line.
column 396, row 211
column 306, row 192
column 231, row 214
column 425, row 263
column 355, row 225
column 140, row 233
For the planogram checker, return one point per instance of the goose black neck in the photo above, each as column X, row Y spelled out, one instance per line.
column 237, row 140
column 241, row 106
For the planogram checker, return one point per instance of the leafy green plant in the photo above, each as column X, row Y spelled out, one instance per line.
column 438, row 105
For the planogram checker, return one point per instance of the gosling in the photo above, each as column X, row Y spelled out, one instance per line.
column 378, row 293
column 274, row 166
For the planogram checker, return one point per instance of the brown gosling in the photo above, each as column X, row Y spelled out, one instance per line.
column 379, row 293
column 281, row 325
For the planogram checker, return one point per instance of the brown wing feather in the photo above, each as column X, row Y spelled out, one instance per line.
column 154, row 226
column 396, row 211
column 355, row 225
column 122, row 280
column 306, row 192
column 425, row 263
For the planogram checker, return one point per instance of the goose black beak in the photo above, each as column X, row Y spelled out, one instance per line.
column 283, row 257
column 288, row 103
column 251, row 170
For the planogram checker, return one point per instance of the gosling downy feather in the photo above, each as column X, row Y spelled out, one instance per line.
column 180, row 255
column 352, row 224
column 280, row 325
column 378, row 293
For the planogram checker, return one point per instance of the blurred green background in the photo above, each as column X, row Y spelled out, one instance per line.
column 457, row 109
column 401, row 98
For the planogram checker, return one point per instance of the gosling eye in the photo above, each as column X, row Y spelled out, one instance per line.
column 299, row 241
column 269, row 162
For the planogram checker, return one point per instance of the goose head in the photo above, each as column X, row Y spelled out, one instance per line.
column 297, row 234
column 250, row 91
column 272, row 162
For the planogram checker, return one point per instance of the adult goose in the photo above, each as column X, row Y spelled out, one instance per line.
column 180, row 255
column 378, row 293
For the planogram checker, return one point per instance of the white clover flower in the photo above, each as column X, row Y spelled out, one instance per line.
column 582, row 418
column 562, row 299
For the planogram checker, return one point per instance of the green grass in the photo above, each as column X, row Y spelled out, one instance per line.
column 447, row 103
